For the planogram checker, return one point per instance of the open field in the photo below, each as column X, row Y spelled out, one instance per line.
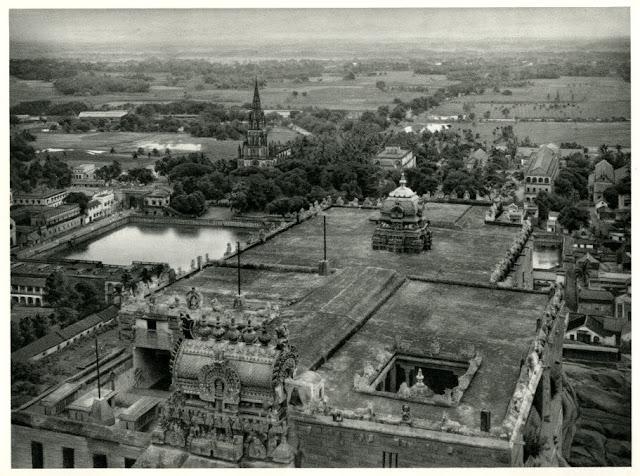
column 468, row 254
column 94, row 147
column 584, row 133
column 579, row 98
column 329, row 91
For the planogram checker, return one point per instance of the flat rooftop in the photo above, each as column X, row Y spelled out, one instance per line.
column 257, row 285
column 500, row 324
column 467, row 251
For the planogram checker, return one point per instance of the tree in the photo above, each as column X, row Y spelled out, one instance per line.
column 90, row 299
column 142, row 175
column 610, row 195
column 145, row 276
column 78, row 197
column 349, row 76
column 158, row 269
column 582, row 272
column 573, row 218
column 381, row 85
column 55, row 288
column 128, row 283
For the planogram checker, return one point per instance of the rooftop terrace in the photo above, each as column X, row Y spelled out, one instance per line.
column 499, row 324
column 467, row 251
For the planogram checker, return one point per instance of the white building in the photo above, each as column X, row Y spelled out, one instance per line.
column 84, row 175
column 101, row 205
column 44, row 197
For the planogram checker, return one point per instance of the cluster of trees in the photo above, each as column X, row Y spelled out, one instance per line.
column 29, row 328
column 26, row 378
column 47, row 108
column 140, row 174
column 80, row 198
column 46, row 69
column 109, row 172
column 571, row 182
column 219, row 75
column 26, row 173
column 94, row 84
column 72, row 300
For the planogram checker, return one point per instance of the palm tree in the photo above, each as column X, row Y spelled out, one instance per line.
column 582, row 272
column 145, row 276
column 128, row 284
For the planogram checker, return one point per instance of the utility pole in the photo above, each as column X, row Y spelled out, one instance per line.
column 323, row 267
column 238, row 255
column 324, row 229
column 98, row 368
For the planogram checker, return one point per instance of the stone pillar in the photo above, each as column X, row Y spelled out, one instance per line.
column 199, row 260
column 239, row 302
column 323, row 268
column 193, row 264
column 206, row 258
column 392, row 380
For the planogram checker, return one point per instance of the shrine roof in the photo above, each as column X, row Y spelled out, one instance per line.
column 499, row 324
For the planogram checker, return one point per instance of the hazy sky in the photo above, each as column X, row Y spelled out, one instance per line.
column 180, row 26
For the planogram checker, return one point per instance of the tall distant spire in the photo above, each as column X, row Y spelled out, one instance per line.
column 256, row 97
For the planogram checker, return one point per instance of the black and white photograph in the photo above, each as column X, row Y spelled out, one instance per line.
column 328, row 236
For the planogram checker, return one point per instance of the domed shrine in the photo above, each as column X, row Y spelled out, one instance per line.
column 402, row 227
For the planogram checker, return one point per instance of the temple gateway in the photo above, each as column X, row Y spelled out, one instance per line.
column 402, row 227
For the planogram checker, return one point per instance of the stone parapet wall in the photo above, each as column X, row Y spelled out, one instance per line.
column 355, row 443
column 86, row 439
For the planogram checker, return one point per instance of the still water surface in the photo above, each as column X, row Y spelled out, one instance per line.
column 174, row 245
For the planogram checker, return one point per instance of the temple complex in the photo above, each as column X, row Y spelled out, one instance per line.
column 378, row 365
column 402, row 227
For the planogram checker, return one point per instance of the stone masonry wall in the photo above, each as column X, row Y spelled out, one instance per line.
column 327, row 445
column 53, row 442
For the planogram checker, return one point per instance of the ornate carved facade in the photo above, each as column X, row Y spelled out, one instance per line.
column 402, row 227
column 228, row 398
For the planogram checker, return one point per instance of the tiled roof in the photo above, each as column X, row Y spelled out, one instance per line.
column 46, row 342
column 542, row 161
column 603, row 172
column 28, row 281
column 57, row 337
column 78, row 327
column 595, row 295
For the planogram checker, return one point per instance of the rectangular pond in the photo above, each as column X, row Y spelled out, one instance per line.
column 173, row 244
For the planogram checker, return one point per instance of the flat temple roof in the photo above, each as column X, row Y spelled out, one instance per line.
column 500, row 324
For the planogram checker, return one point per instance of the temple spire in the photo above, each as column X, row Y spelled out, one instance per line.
column 256, row 97
column 403, row 180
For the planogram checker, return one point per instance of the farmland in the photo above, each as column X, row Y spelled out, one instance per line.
column 581, row 98
column 585, row 133
column 328, row 91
